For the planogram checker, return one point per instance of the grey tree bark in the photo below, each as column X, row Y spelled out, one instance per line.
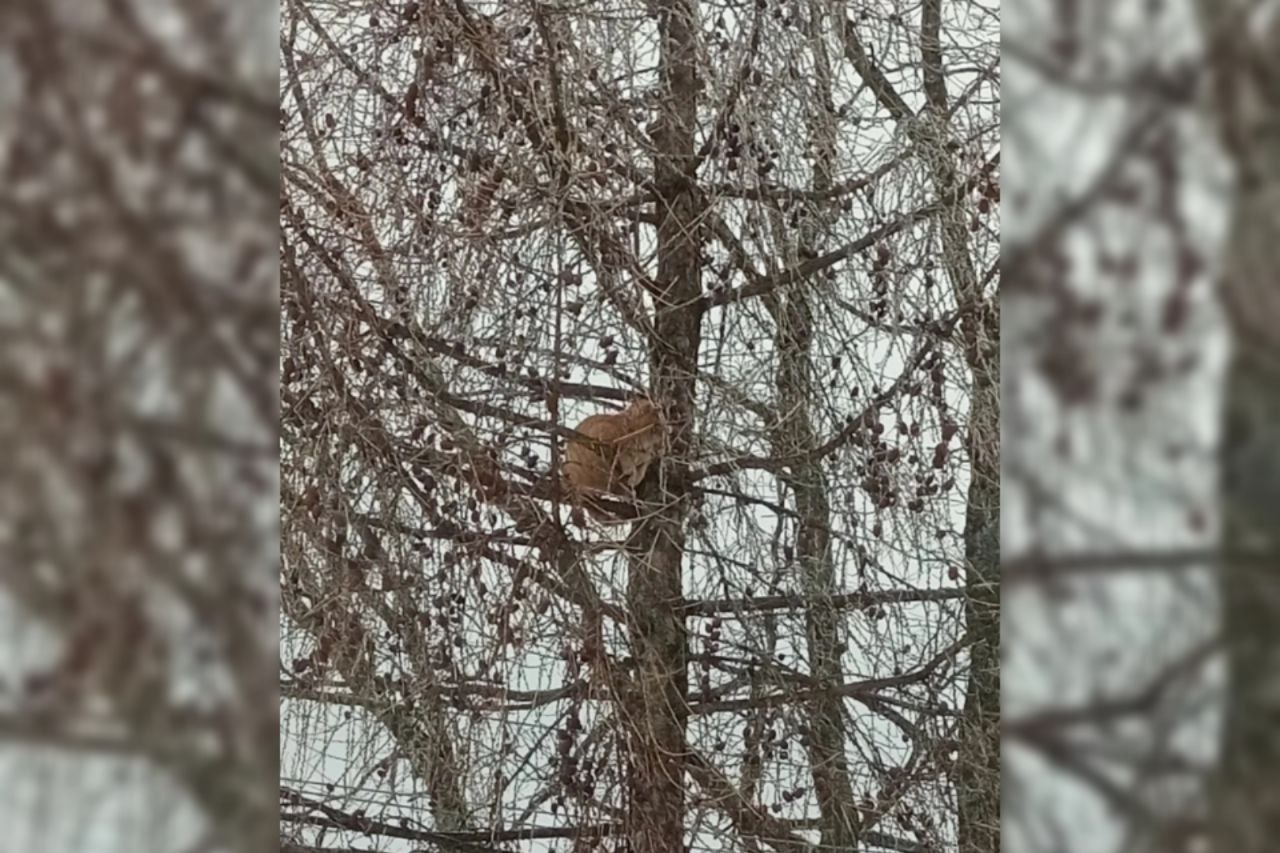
column 792, row 311
column 657, row 728
column 977, row 769
column 1244, row 63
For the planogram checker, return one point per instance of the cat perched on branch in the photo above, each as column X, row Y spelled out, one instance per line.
column 615, row 454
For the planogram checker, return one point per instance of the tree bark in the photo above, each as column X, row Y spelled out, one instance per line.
column 977, row 776
column 1246, row 791
column 977, row 772
column 659, row 713
column 793, row 313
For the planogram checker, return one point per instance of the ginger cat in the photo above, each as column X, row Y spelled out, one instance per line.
column 622, row 446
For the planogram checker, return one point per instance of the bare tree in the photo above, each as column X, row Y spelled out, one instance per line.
column 779, row 220
column 138, row 329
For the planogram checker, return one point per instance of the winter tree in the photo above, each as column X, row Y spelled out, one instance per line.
column 777, row 220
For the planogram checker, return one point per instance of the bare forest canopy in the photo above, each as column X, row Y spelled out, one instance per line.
column 780, row 220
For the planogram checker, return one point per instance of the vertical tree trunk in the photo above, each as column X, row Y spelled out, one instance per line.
column 659, row 714
column 793, row 314
column 1248, row 785
column 827, row 735
column 977, row 773
column 1246, row 792
column 977, row 776
column 1247, row 789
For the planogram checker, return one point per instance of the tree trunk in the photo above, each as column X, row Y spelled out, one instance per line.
column 1248, row 784
column 977, row 773
column 827, row 735
column 659, row 714
column 793, row 314
column 1246, row 791
column 977, row 776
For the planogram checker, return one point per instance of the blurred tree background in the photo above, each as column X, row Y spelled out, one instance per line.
column 781, row 219
column 138, row 419
column 1143, row 463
